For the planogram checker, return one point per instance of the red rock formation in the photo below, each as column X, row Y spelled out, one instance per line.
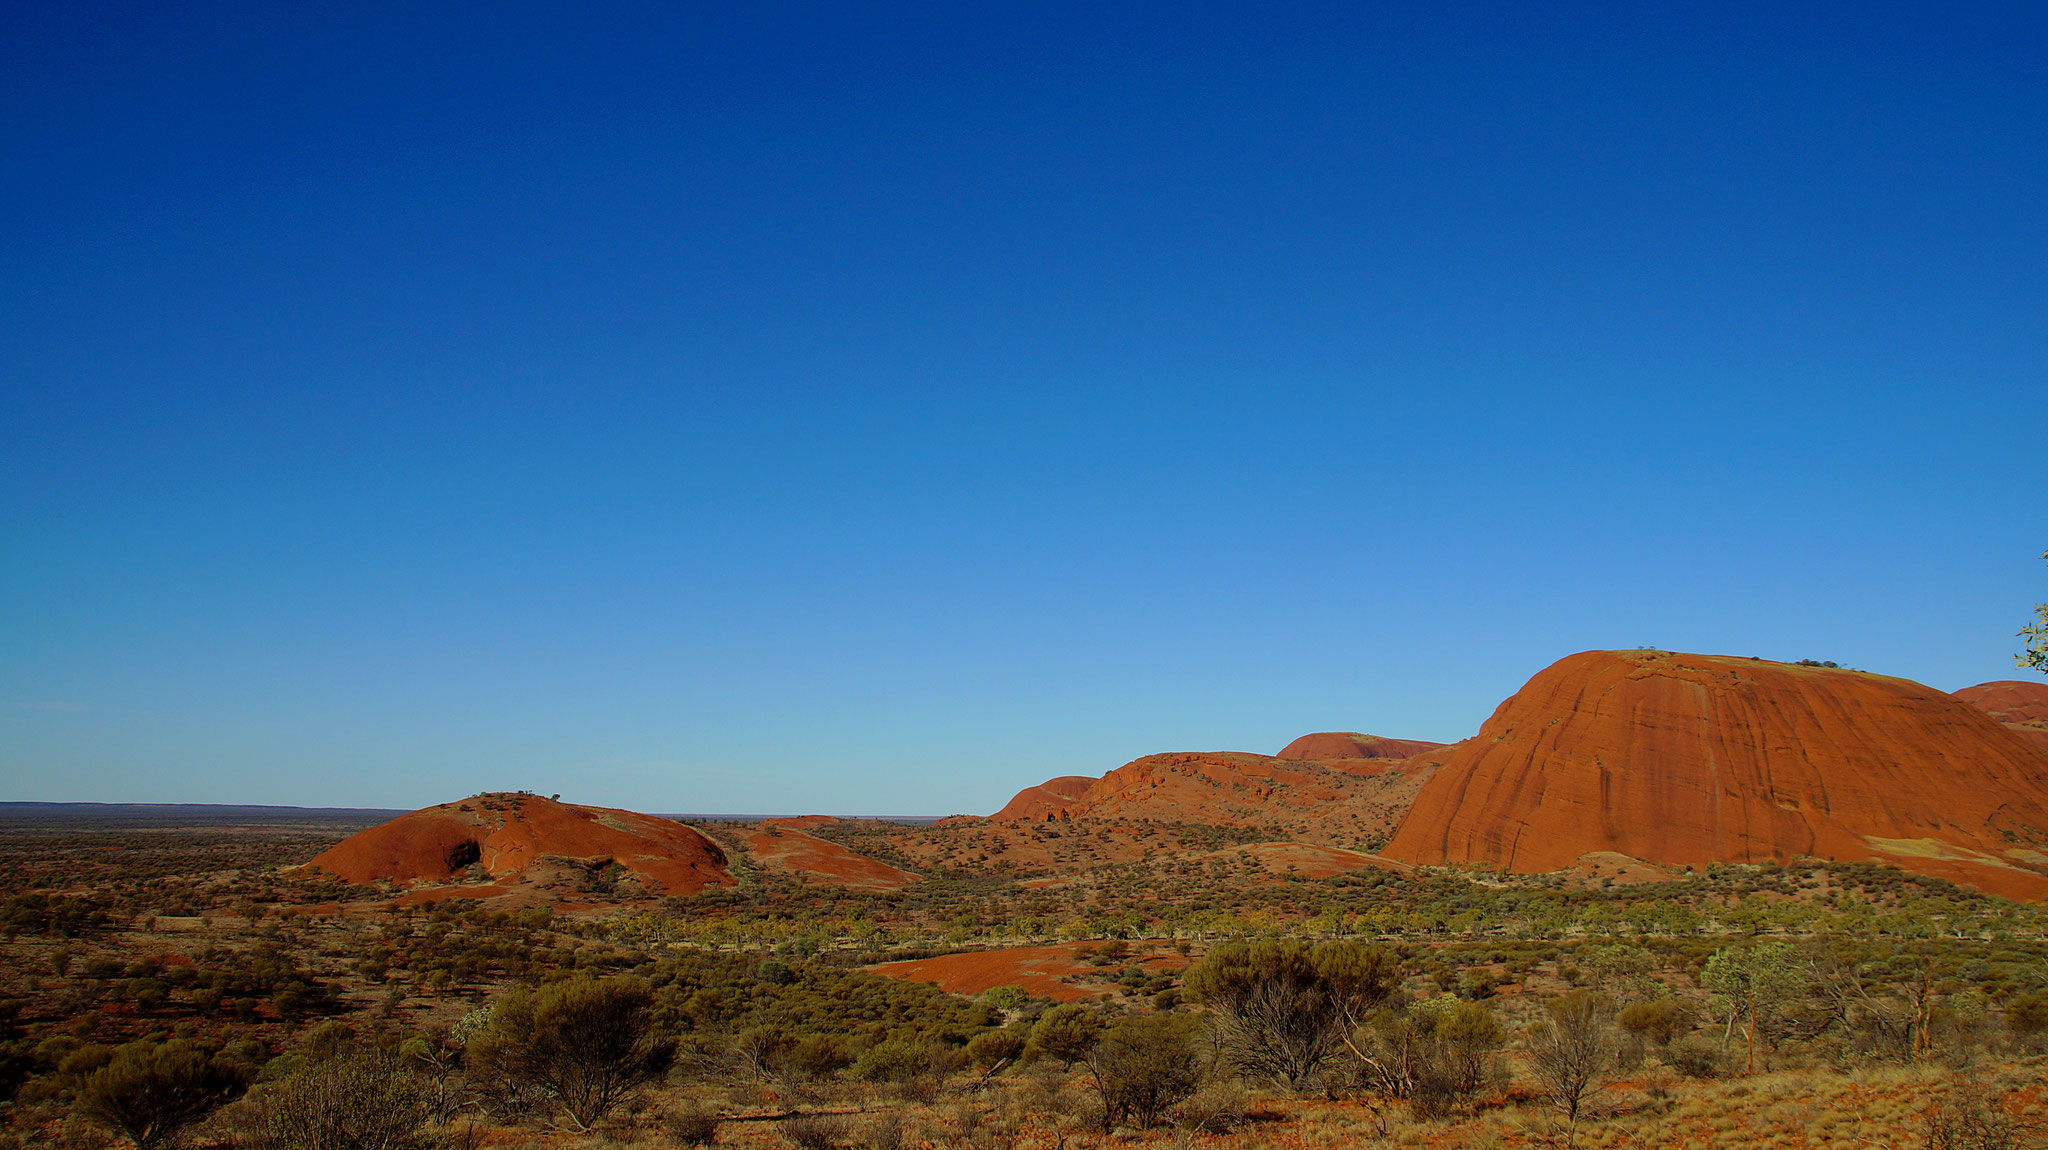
column 520, row 836
column 2021, row 706
column 1327, row 745
column 800, row 822
column 1045, row 798
column 1691, row 759
column 782, row 844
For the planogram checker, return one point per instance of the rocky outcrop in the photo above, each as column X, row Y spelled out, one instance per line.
column 502, row 838
column 2021, row 706
column 1329, row 745
column 1691, row 759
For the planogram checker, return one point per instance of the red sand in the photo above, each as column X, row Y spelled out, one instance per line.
column 1037, row 969
column 1682, row 759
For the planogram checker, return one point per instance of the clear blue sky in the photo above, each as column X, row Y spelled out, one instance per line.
column 874, row 408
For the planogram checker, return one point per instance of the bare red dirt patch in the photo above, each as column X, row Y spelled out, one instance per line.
column 1038, row 970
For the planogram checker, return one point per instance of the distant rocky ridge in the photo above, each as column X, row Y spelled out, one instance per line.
column 2021, row 706
column 1636, row 760
column 1327, row 745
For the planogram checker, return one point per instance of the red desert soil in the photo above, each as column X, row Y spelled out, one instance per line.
column 1690, row 759
column 1326, row 745
column 776, row 844
column 2021, row 706
column 513, row 837
column 1036, row 969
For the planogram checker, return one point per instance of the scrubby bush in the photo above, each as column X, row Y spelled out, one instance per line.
column 1971, row 1119
column 1572, row 1052
column 1284, row 1008
column 353, row 1098
column 587, row 1044
column 1066, row 1033
column 812, row 1131
column 1659, row 1020
column 691, row 1125
column 1694, row 1056
column 1438, row 1054
column 894, row 1060
column 812, row 1056
column 995, row 1048
column 1145, row 1065
column 151, row 1091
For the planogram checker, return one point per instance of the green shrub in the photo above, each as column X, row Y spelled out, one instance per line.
column 1066, row 1033
column 587, row 1044
column 893, row 1060
column 1145, row 1065
column 152, row 1091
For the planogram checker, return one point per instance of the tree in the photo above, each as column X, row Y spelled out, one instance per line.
column 1144, row 1066
column 1284, row 1008
column 1439, row 1054
column 151, row 1091
column 586, row 1043
column 2035, row 653
column 1753, row 983
column 1067, row 1033
column 1573, row 1053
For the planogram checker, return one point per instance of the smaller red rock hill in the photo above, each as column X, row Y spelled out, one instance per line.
column 515, row 836
column 1690, row 759
column 1045, row 798
column 2021, row 706
column 1326, row 745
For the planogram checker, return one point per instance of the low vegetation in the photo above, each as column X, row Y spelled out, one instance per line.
column 244, row 1006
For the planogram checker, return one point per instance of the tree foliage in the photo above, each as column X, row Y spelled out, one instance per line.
column 2035, row 653
column 1285, row 1008
column 151, row 1091
column 1753, row 984
column 355, row 1097
column 1144, row 1066
column 1438, row 1054
column 587, row 1044
column 1066, row 1033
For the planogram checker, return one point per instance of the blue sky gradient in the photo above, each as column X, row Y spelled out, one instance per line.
column 876, row 409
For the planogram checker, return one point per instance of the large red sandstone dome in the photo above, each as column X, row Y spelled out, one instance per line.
column 513, row 836
column 1691, row 759
column 1325, row 745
